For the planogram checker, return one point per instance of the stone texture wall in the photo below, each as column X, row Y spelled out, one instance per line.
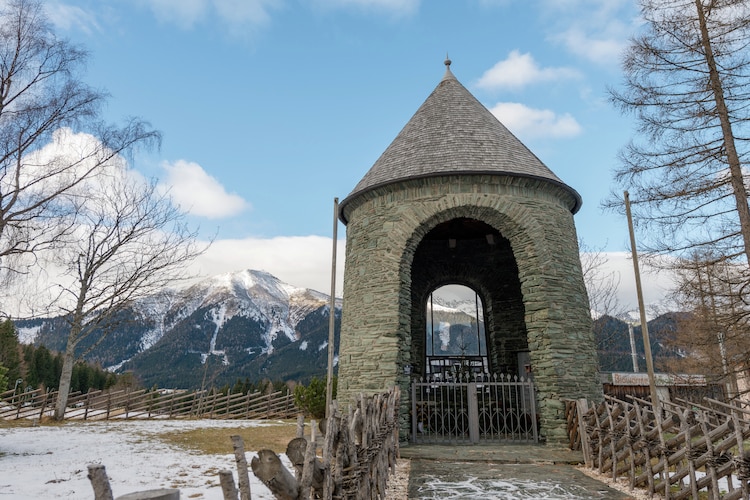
column 387, row 225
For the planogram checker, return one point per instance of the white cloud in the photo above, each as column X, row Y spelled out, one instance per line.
column 186, row 13
column 528, row 122
column 596, row 30
column 241, row 12
column 302, row 261
column 183, row 13
column 72, row 162
column 305, row 261
column 596, row 48
column 656, row 284
column 398, row 8
column 67, row 17
column 519, row 70
column 198, row 193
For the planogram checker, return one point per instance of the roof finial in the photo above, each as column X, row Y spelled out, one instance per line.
column 447, row 63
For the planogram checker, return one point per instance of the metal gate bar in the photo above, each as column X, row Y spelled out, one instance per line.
column 473, row 408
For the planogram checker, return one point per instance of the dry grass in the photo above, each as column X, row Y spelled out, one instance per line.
column 272, row 435
column 29, row 422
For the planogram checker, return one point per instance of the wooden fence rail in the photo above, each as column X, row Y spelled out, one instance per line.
column 690, row 451
column 142, row 404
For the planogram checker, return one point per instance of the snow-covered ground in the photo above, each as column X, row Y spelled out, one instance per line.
column 51, row 461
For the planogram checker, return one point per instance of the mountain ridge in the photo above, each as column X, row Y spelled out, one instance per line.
column 250, row 325
column 223, row 322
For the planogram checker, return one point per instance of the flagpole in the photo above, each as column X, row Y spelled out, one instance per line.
column 332, row 310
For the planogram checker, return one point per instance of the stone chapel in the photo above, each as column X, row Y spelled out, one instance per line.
column 457, row 199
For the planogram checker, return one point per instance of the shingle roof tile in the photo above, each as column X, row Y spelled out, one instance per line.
column 453, row 133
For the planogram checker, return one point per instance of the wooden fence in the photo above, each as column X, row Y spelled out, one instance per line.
column 691, row 451
column 359, row 453
column 142, row 404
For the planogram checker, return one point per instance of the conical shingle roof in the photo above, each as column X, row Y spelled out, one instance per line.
column 452, row 133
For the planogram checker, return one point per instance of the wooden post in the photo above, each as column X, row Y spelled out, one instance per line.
column 328, row 445
column 644, row 323
column 100, row 482
column 710, row 466
column 43, row 405
column 332, row 311
column 309, row 466
column 744, row 457
column 582, row 408
column 242, row 475
column 685, row 428
column 228, row 489
column 300, row 426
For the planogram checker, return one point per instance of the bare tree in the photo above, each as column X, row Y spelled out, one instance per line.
column 601, row 284
column 129, row 241
column 43, row 101
column 714, row 334
column 687, row 82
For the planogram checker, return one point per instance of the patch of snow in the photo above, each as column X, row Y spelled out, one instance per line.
column 468, row 307
column 114, row 368
column 444, row 333
column 218, row 318
column 28, row 335
column 303, row 345
column 322, row 346
column 51, row 461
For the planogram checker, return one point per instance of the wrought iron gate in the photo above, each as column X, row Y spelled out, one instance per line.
column 474, row 408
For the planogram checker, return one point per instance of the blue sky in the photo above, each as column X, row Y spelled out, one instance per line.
column 271, row 108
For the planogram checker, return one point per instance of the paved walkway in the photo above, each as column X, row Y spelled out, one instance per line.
column 500, row 472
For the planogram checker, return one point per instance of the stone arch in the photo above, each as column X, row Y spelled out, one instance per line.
column 500, row 224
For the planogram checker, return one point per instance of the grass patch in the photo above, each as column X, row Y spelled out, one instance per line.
column 273, row 436
column 28, row 422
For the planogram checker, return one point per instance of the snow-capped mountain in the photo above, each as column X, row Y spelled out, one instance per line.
column 246, row 324
column 452, row 327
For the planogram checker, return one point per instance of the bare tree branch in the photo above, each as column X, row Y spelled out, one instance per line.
column 43, row 105
column 129, row 241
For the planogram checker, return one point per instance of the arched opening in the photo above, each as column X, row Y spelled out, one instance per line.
column 471, row 253
column 455, row 336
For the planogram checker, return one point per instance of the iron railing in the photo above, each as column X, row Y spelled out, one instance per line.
column 471, row 408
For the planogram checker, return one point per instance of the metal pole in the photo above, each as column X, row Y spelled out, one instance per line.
column 633, row 352
column 332, row 311
column 720, row 334
column 644, row 325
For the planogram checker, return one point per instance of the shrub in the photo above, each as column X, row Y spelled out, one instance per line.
column 312, row 398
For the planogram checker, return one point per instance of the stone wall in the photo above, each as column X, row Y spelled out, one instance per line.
column 385, row 229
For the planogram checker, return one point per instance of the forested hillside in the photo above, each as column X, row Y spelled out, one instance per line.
column 29, row 366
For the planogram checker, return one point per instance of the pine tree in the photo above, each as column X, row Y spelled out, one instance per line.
column 3, row 378
column 10, row 350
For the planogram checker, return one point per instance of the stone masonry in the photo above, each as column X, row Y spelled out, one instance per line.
column 382, row 236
